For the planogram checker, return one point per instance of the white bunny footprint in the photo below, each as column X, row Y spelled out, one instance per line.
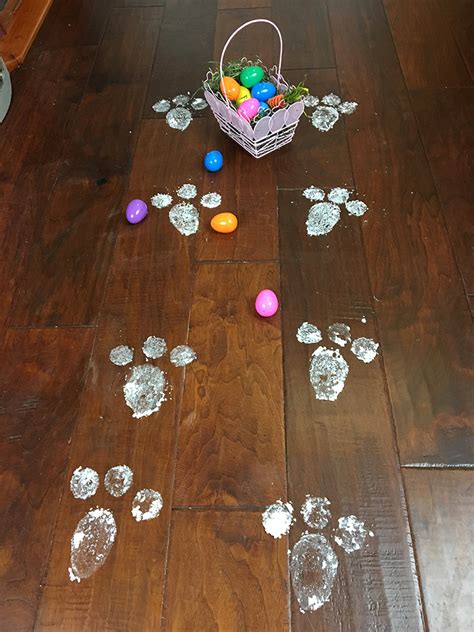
column 146, row 386
column 328, row 370
column 313, row 561
column 96, row 531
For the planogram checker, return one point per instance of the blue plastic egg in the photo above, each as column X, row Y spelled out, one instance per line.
column 214, row 160
column 263, row 107
column 263, row 91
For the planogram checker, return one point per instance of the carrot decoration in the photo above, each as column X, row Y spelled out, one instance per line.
column 277, row 101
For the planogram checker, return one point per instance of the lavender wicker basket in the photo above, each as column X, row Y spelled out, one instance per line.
column 269, row 133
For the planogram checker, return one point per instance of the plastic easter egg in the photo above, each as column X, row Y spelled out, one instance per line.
column 230, row 88
column 214, row 160
column 264, row 107
column 264, row 91
column 224, row 222
column 244, row 94
column 251, row 75
column 136, row 211
column 266, row 303
column 248, row 109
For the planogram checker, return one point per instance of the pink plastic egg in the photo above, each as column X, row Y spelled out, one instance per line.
column 266, row 303
column 248, row 109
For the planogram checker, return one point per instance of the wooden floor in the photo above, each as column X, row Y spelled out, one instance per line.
column 242, row 427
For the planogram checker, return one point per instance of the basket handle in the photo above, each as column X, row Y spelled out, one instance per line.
column 231, row 37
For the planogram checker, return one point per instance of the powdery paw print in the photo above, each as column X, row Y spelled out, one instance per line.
column 184, row 215
column 96, row 531
column 328, row 370
column 327, row 111
column 325, row 214
column 179, row 110
column 146, row 386
column 313, row 560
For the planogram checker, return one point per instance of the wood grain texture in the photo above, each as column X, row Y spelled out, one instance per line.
column 445, row 122
column 231, row 448
column 313, row 157
column 307, row 41
column 344, row 450
column 66, row 272
column 415, row 27
column 248, row 191
column 422, row 313
column 48, row 89
column 74, row 23
column 461, row 19
column 140, row 301
column 183, row 53
column 441, row 516
column 225, row 573
column 40, row 388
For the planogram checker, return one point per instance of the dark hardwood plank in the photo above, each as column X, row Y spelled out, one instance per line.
column 445, row 121
column 40, row 386
column 441, row 515
column 231, row 448
column 248, row 190
column 225, row 573
column 420, row 302
column 48, row 89
column 315, row 157
column 461, row 18
column 74, row 23
column 257, row 40
column 307, row 41
column 184, row 51
column 68, row 261
column 344, row 450
column 428, row 53
column 142, row 299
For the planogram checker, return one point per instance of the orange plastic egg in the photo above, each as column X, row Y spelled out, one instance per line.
column 224, row 222
column 230, row 88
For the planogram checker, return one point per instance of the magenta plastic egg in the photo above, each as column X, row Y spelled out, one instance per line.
column 248, row 109
column 136, row 211
column 266, row 303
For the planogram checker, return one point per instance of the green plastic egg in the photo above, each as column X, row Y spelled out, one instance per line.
column 251, row 75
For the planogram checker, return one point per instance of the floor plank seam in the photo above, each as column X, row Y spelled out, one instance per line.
column 236, row 261
column 438, row 466
column 65, row 485
column 226, row 508
column 290, row 596
column 420, row 138
column 413, row 560
column 177, row 423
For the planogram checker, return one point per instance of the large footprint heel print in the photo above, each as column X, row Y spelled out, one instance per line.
column 313, row 561
column 96, row 531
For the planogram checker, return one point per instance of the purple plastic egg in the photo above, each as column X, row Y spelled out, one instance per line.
column 248, row 109
column 137, row 210
column 266, row 303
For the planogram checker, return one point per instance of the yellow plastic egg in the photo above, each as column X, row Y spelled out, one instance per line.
column 244, row 94
column 224, row 222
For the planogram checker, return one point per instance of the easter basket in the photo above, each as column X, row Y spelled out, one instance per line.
column 270, row 132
